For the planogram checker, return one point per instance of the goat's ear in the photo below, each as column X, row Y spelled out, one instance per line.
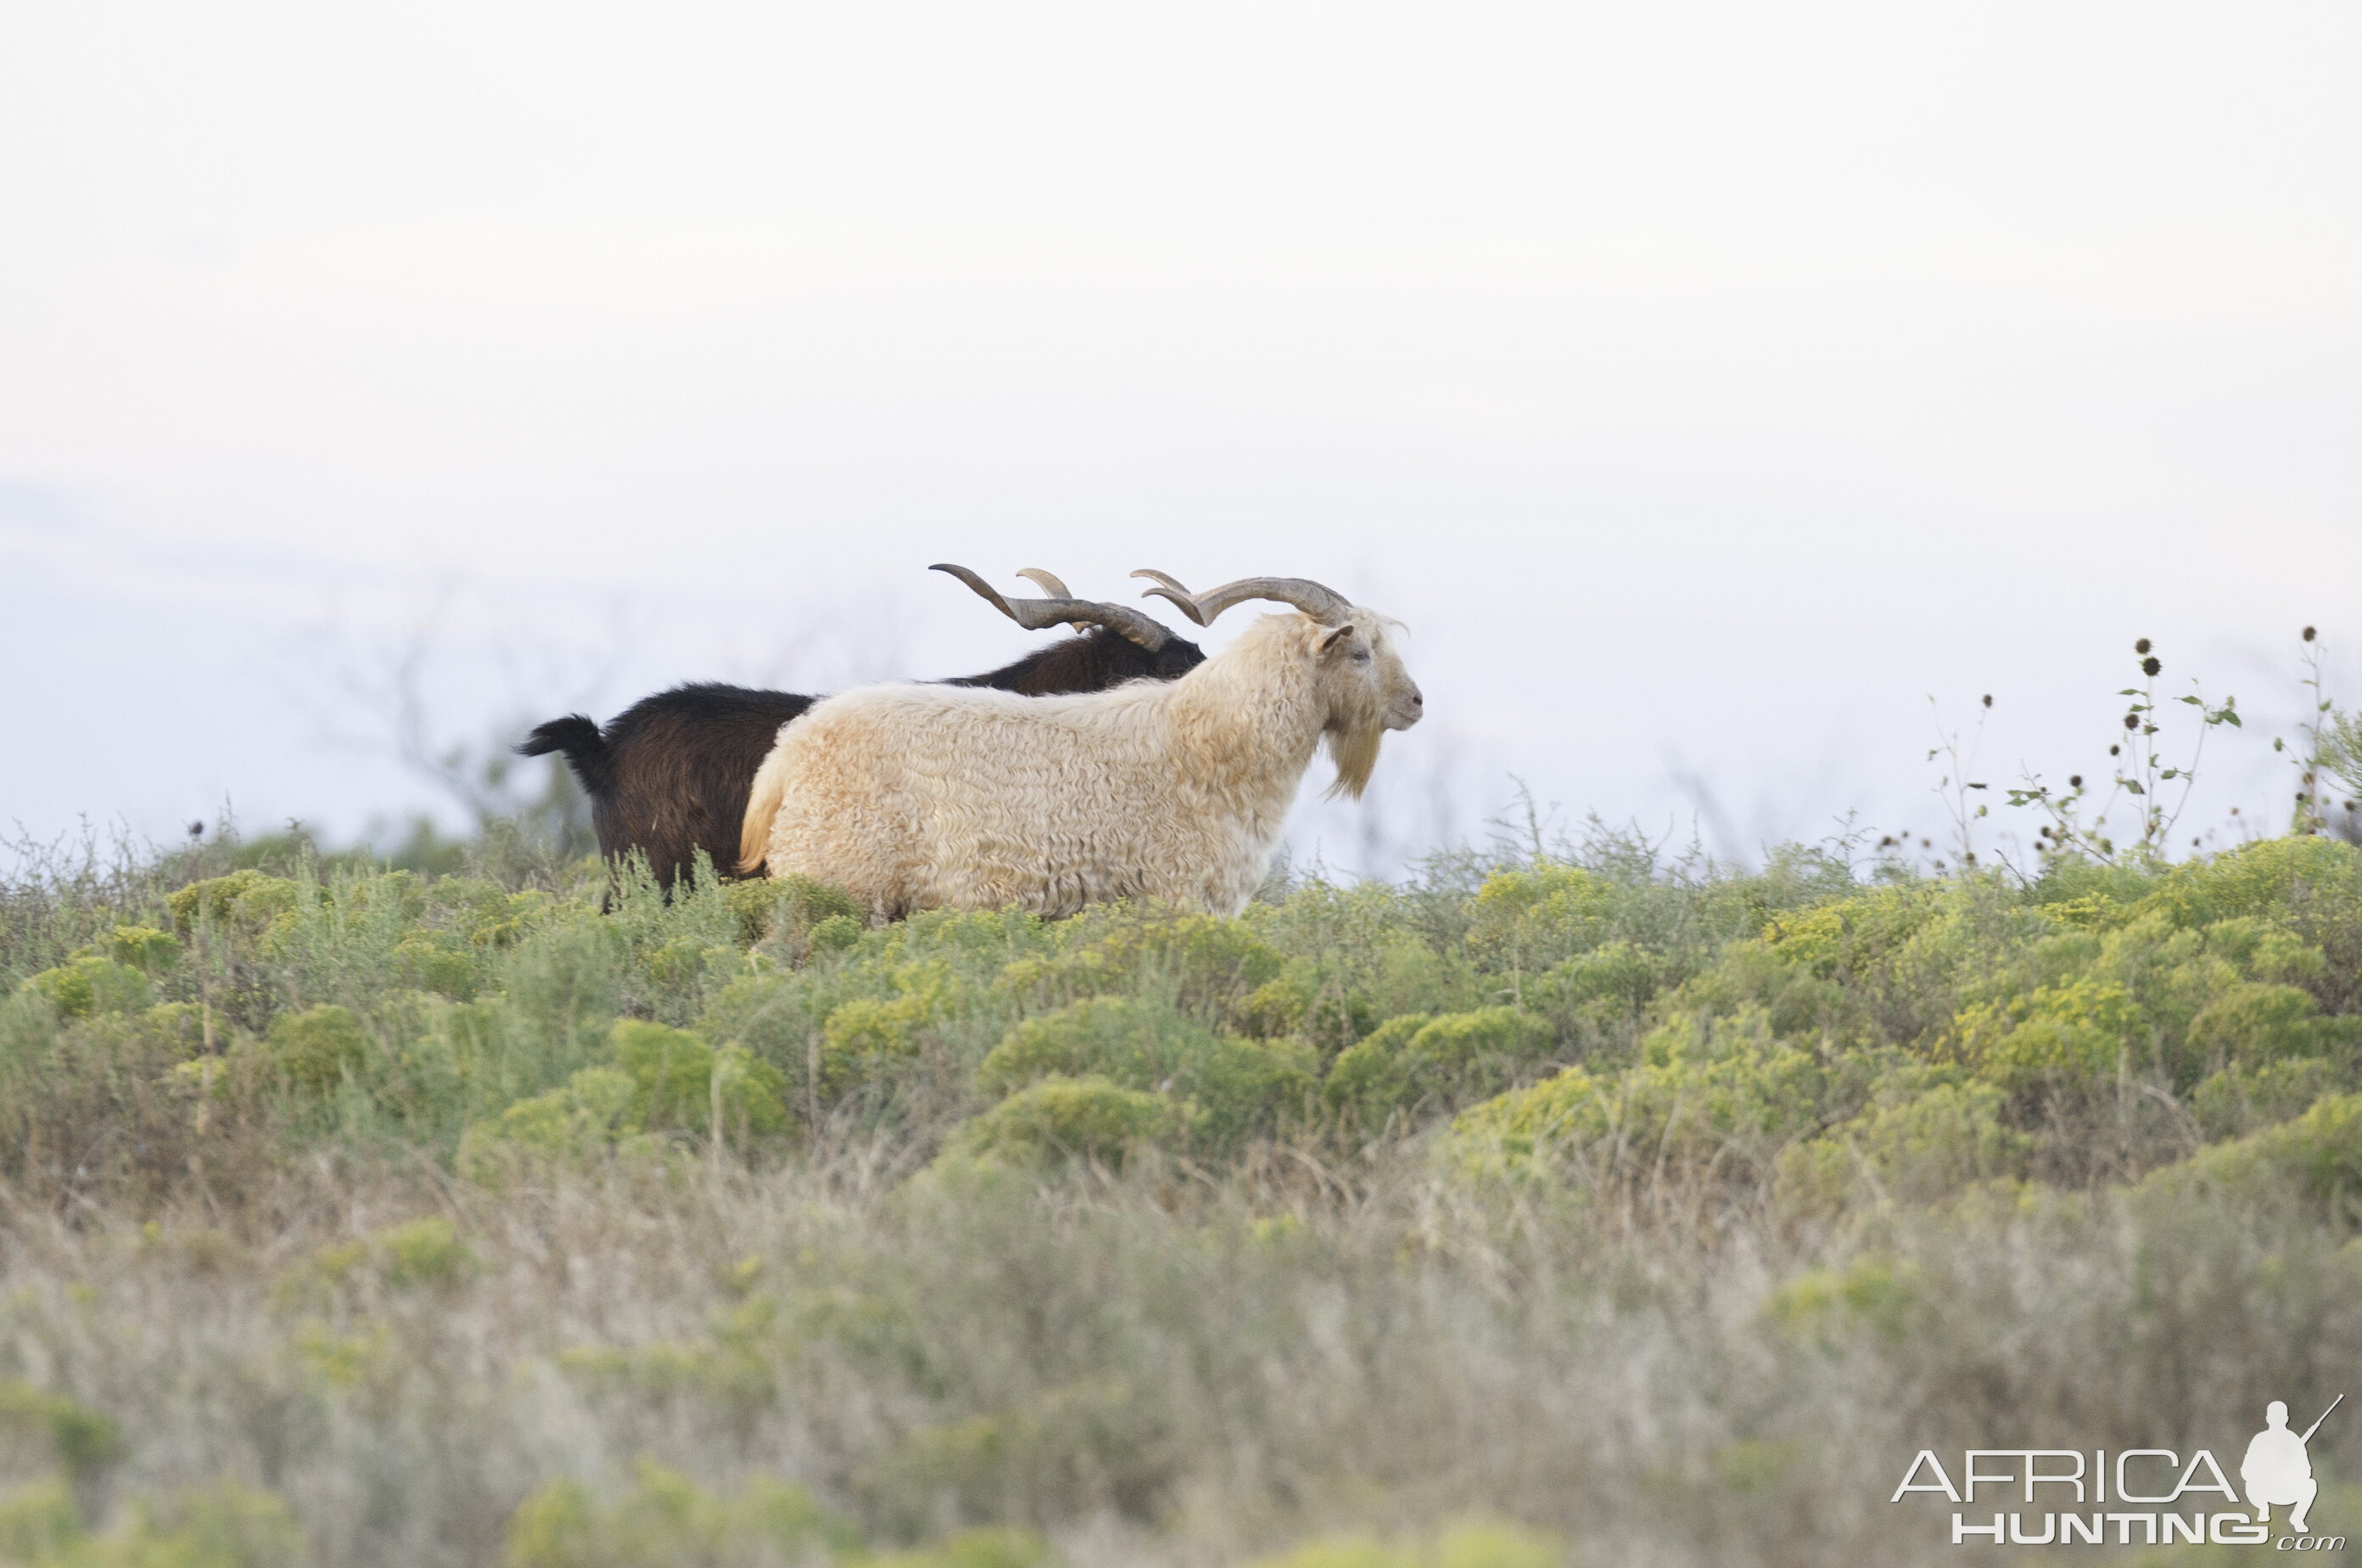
column 1336, row 637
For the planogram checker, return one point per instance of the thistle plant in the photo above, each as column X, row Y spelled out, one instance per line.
column 1954, row 787
column 2329, row 747
column 2141, row 778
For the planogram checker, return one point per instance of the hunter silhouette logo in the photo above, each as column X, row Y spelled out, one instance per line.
column 2277, row 1472
column 2277, row 1469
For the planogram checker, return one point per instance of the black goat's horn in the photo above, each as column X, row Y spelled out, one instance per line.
column 1325, row 605
column 1034, row 614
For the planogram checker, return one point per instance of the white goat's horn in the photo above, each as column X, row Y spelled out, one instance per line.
column 1325, row 605
column 1034, row 614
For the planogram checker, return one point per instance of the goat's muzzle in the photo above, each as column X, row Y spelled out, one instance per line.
column 1406, row 710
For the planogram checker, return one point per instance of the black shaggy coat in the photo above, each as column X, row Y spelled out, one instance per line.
column 670, row 774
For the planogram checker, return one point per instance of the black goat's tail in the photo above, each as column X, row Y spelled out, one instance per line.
column 585, row 749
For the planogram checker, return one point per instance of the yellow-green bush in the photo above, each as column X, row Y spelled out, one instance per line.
column 664, row 1519
column 2238, row 1099
column 662, row 1079
column 678, row 1080
column 1461, row 1546
column 40, row 1522
column 86, row 986
column 988, row 1547
column 583, row 1119
column 1204, row 962
column 1876, row 1292
column 1526, row 920
column 1922, row 1146
column 1061, row 1118
column 793, row 907
column 1716, row 1101
column 419, row 1252
column 1046, row 1453
column 2317, row 1156
column 225, row 1525
column 243, row 905
column 42, row 1432
column 1227, row 1089
column 315, row 1049
column 1415, row 1064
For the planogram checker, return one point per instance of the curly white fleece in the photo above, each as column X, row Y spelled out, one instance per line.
column 935, row 797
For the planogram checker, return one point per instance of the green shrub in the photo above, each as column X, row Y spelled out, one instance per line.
column 423, row 1252
column 664, row 1079
column 1614, row 980
column 2239, row 1100
column 225, row 1525
column 222, row 1526
column 1462, row 1546
column 1062, row 1119
column 39, row 1523
column 91, row 984
column 1207, row 964
column 988, row 1547
column 39, row 1431
column 1875, row 1292
column 316, row 1049
column 143, row 947
column 1716, row 1101
column 2251, row 1026
column 2272, row 879
column 837, row 933
column 1524, row 923
column 1922, row 1146
column 1115, row 1037
column 584, row 1119
column 790, row 907
column 242, row 905
column 664, row 1519
column 2318, row 1156
column 441, row 961
column 1228, row 1089
column 1414, row 1064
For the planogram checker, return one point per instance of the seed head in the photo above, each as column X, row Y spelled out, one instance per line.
column 1988, row 698
column 2141, row 646
column 2151, row 665
column 2115, row 751
column 2132, row 721
column 2074, row 781
column 2307, row 633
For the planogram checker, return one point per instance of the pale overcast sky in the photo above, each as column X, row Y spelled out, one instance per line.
column 1706, row 386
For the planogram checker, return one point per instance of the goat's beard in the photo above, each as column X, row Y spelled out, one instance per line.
column 1353, row 748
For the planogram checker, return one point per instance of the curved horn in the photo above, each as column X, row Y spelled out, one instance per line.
column 1169, row 588
column 1034, row 614
column 1324, row 604
column 1043, row 581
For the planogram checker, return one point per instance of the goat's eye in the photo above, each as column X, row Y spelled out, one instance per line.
column 1361, row 656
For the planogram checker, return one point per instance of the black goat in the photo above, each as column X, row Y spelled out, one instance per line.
column 670, row 774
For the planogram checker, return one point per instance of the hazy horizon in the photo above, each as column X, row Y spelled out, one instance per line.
column 1705, row 388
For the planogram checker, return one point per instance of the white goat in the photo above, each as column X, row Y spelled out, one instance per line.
column 931, row 797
